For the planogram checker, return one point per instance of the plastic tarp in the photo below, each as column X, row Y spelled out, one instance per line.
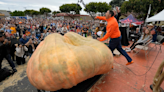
column 157, row 17
column 131, row 19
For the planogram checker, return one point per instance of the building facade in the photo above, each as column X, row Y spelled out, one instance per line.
column 73, row 16
column 4, row 13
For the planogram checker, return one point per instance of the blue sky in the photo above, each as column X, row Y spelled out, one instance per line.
column 37, row 4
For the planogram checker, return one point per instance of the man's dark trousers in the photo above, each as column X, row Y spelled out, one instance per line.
column 116, row 43
column 8, row 58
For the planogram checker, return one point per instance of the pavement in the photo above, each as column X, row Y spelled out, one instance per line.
column 132, row 78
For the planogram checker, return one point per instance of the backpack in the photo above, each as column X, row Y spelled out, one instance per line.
column 4, row 73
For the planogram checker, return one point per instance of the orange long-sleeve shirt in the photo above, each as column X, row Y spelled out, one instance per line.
column 13, row 30
column 112, row 28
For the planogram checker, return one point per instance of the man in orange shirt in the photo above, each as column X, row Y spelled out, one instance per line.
column 114, row 33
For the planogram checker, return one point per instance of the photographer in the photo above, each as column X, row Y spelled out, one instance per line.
column 30, row 47
column 34, row 40
column 41, row 38
column 4, row 51
column 14, row 41
column 20, row 53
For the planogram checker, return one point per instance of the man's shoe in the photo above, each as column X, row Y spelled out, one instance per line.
column 130, row 63
column 14, row 70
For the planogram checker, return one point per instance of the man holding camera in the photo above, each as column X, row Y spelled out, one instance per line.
column 4, row 53
column 20, row 53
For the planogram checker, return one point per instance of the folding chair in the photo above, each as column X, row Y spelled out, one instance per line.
column 144, row 47
column 160, row 39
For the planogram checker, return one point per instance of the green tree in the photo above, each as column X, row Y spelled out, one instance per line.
column 116, row 3
column 91, row 7
column 65, row 8
column 141, row 6
column 95, row 7
column 124, row 7
column 77, row 8
column 55, row 12
column 27, row 12
column 103, row 7
column 70, row 7
column 31, row 12
column 17, row 13
column 160, row 7
column 45, row 11
column 34, row 12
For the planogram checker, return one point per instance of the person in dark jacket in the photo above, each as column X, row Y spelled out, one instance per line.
column 4, row 52
column 117, row 13
column 18, row 30
column 14, row 41
column 24, row 39
column 151, row 28
column 135, row 34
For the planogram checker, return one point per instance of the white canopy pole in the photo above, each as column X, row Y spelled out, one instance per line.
column 148, row 13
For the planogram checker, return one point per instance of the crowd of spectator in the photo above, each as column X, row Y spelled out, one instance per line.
column 20, row 37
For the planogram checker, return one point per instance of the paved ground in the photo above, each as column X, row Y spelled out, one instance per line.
column 22, row 86
column 121, row 79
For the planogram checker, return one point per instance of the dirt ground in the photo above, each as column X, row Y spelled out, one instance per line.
column 18, row 76
column 19, row 81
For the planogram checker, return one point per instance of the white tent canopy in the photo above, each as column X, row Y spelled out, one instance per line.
column 157, row 17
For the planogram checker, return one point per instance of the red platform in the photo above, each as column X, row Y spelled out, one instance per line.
column 121, row 79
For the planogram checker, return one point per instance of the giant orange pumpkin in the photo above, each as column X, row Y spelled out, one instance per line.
column 61, row 62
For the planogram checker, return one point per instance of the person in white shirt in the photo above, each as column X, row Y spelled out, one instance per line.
column 20, row 53
column 58, row 29
column 49, row 32
column 64, row 30
column 45, row 33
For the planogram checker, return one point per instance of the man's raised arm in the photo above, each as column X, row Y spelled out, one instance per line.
column 100, row 18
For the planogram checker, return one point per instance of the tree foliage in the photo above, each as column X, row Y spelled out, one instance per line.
column 17, row 13
column 91, row 7
column 27, row 12
column 103, row 7
column 141, row 6
column 116, row 3
column 70, row 7
column 55, row 12
column 31, row 12
column 95, row 7
column 35, row 12
column 45, row 10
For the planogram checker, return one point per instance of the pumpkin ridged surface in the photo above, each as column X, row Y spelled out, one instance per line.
column 61, row 62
